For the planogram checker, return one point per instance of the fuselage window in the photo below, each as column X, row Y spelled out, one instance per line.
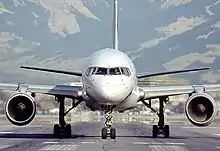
column 114, row 71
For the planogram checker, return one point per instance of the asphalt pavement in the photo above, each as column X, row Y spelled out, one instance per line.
column 130, row 137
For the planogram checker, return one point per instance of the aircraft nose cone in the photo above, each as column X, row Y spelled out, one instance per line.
column 110, row 94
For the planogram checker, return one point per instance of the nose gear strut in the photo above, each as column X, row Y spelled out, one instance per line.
column 108, row 130
column 109, row 119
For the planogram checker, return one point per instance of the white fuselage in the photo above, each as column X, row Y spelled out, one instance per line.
column 110, row 79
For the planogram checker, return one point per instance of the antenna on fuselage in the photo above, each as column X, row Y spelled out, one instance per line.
column 115, row 25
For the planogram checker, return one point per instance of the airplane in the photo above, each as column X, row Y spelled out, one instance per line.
column 109, row 84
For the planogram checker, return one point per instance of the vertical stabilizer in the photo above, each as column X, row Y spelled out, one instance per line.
column 115, row 25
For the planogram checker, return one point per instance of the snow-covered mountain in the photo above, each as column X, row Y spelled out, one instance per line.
column 156, row 34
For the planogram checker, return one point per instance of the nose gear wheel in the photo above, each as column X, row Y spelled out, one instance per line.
column 108, row 130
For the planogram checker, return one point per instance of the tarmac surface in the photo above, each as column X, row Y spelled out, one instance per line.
column 130, row 137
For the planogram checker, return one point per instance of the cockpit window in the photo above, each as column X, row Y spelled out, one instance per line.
column 114, row 71
column 90, row 71
column 101, row 71
column 125, row 71
column 108, row 71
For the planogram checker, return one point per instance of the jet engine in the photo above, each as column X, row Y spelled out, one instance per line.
column 20, row 109
column 200, row 109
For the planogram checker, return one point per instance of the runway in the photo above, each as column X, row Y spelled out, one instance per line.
column 130, row 137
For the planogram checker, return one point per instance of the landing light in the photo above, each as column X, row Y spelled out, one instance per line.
column 79, row 93
column 142, row 94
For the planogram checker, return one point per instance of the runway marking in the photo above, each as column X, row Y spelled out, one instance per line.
column 198, row 127
column 50, row 142
column 87, row 142
column 166, row 148
column 217, row 134
column 5, row 146
column 60, row 147
column 6, row 132
column 158, row 143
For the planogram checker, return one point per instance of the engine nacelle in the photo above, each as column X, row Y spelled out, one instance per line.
column 200, row 109
column 20, row 109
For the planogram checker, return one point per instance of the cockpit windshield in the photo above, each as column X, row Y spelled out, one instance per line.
column 101, row 71
column 108, row 71
column 114, row 71
column 90, row 71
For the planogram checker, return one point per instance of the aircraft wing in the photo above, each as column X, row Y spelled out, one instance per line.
column 159, row 91
column 64, row 90
column 145, row 75
column 52, row 70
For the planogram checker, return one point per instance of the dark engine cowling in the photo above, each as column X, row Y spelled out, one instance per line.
column 20, row 109
column 200, row 109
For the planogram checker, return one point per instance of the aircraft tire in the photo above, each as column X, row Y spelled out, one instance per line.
column 113, row 133
column 56, row 130
column 166, row 131
column 155, row 131
column 68, row 130
column 104, row 133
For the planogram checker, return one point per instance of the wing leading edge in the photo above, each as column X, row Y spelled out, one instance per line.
column 53, row 70
column 159, row 91
column 145, row 75
column 64, row 90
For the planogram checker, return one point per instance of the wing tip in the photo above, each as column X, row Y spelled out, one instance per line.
column 26, row 67
column 22, row 66
column 205, row 68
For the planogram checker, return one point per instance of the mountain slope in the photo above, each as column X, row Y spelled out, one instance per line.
column 157, row 35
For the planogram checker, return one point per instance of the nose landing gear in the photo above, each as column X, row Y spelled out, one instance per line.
column 108, row 130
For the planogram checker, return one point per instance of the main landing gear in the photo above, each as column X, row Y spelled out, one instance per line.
column 160, row 128
column 108, row 130
column 62, row 129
